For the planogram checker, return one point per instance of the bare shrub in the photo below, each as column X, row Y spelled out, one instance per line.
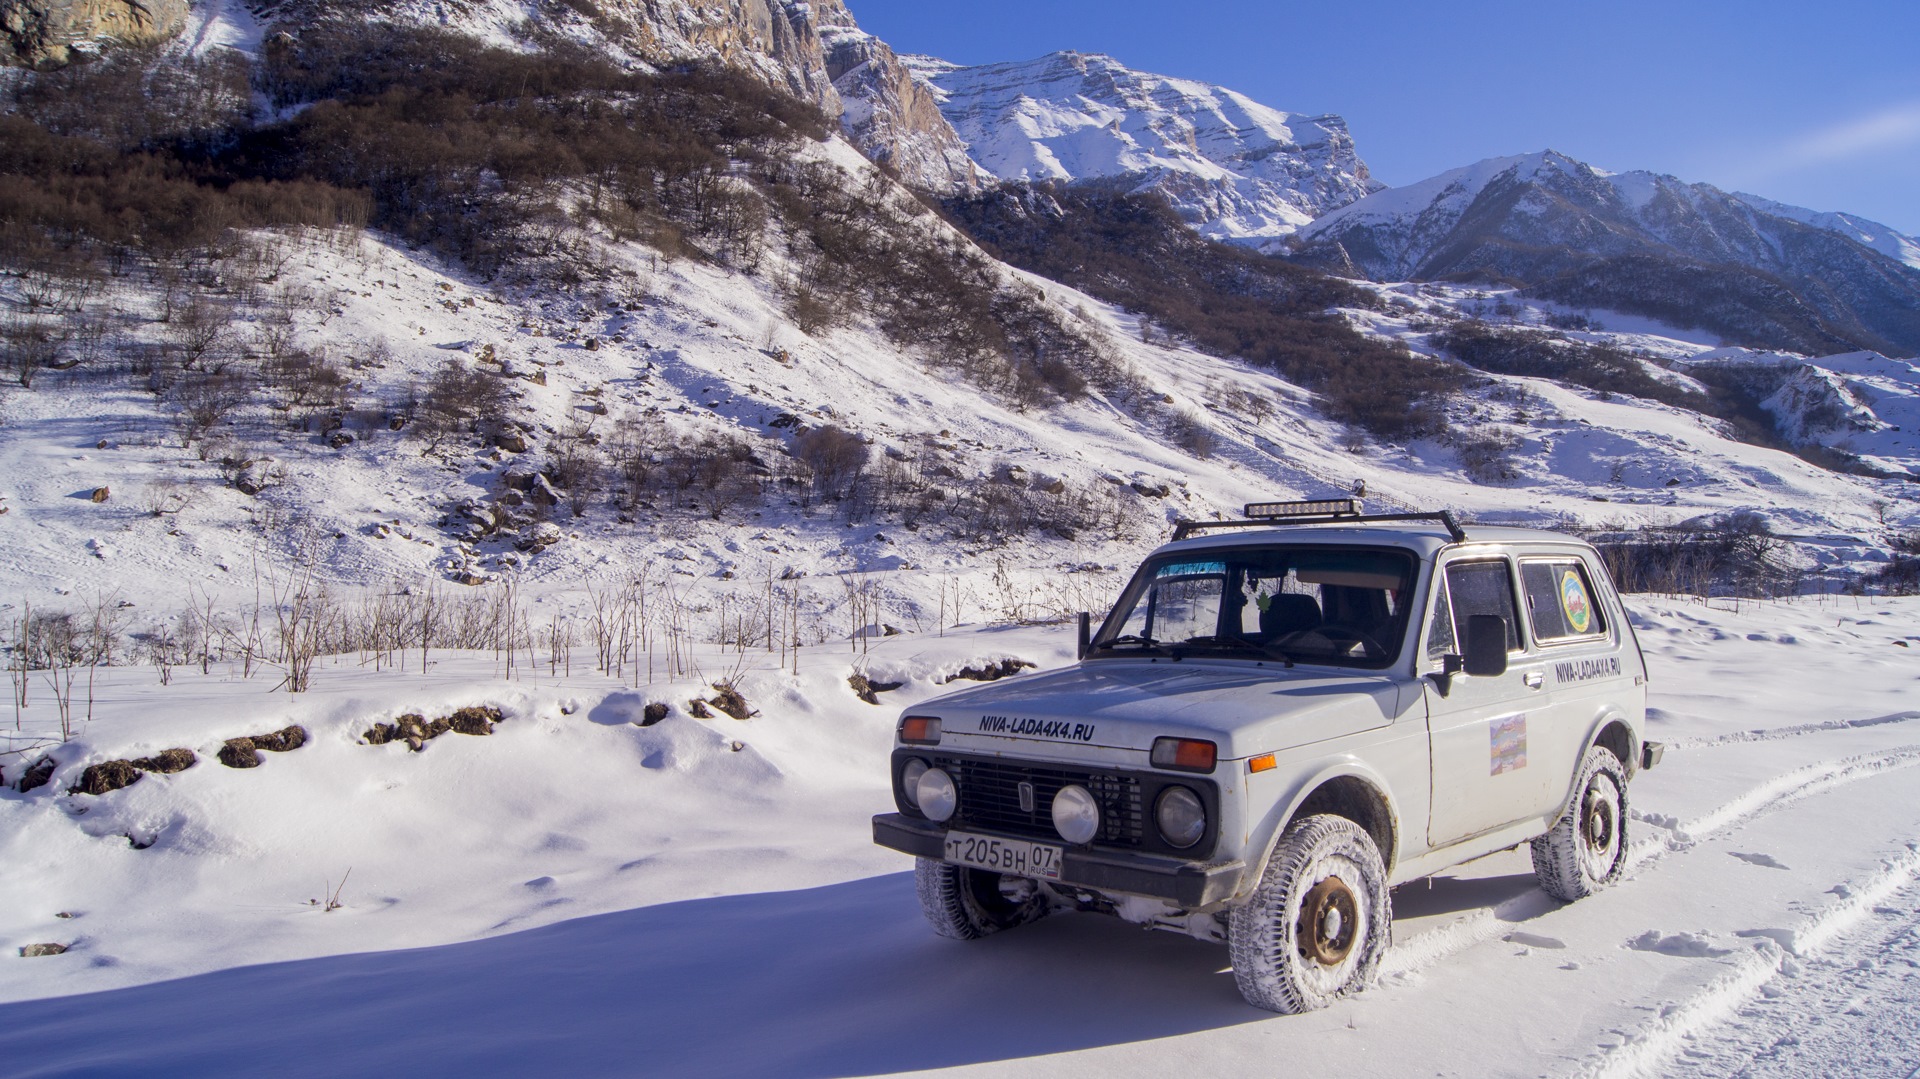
column 28, row 346
column 205, row 399
column 1487, row 457
column 834, row 457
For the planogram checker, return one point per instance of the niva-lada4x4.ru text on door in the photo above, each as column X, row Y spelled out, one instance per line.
column 1282, row 718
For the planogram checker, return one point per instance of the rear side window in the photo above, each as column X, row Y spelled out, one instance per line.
column 1482, row 588
column 1560, row 601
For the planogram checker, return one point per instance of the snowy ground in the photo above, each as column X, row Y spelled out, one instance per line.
column 576, row 894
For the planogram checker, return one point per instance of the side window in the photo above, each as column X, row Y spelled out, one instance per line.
column 1560, row 600
column 1482, row 588
column 1440, row 640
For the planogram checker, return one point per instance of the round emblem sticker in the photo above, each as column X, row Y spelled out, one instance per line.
column 1573, row 600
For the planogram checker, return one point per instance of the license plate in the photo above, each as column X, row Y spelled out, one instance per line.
column 1015, row 856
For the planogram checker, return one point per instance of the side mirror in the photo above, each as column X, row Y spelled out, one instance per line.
column 1486, row 655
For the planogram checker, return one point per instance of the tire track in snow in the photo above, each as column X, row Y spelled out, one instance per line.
column 1648, row 1052
column 1798, row 730
column 1491, row 923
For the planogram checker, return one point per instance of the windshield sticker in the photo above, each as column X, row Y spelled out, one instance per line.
column 1037, row 728
column 1192, row 569
column 1573, row 600
column 1509, row 737
column 1586, row 670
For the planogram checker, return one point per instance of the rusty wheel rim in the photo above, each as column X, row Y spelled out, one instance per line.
column 1329, row 922
column 1600, row 826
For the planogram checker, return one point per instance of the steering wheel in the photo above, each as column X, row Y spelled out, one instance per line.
column 1339, row 632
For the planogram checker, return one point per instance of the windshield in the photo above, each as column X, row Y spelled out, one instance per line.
column 1345, row 606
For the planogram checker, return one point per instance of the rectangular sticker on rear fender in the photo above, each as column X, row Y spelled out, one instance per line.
column 1508, row 735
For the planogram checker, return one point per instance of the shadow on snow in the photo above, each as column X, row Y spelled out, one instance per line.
column 843, row 980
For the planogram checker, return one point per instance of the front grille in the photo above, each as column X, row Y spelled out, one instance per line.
column 990, row 799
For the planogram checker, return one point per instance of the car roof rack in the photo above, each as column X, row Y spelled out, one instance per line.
column 1316, row 512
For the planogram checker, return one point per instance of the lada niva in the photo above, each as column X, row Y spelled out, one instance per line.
column 1282, row 718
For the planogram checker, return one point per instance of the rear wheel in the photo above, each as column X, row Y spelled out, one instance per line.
column 1586, row 850
column 1316, row 926
column 966, row 904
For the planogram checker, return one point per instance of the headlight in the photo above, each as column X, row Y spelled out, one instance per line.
column 936, row 795
column 1076, row 816
column 1181, row 817
column 910, row 778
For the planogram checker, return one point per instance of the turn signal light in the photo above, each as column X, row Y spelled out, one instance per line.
column 920, row 731
column 1183, row 754
column 1263, row 763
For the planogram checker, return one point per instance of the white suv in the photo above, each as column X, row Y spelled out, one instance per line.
column 1282, row 718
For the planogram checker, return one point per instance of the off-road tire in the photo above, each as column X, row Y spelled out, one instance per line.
column 966, row 904
column 1586, row 849
column 1274, row 958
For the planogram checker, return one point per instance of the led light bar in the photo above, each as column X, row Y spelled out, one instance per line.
column 1325, row 507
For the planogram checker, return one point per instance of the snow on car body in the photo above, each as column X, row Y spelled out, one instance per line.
column 1275, row 725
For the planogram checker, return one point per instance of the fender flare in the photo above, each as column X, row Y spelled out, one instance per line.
column 1270, row 827
column 1609, row 717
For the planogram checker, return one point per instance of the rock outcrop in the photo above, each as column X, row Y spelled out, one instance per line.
column 46, row 33
column 812, row 49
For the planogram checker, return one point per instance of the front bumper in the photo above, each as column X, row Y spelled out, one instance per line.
column 1185, row 884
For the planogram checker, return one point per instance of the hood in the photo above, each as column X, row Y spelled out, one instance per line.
column 1126, row 704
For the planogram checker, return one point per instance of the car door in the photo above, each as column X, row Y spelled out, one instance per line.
column 1581, row 649
column 1478, row 728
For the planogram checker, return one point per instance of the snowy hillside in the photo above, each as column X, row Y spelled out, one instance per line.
column 1237, row 169
column 575, row 890
column 679, row 353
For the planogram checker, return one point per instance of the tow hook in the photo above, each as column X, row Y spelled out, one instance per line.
column 1651, row 752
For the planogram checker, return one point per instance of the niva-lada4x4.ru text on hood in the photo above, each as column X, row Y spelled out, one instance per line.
column 1280, row 719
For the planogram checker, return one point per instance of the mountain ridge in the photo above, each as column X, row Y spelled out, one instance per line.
column 1587, row 237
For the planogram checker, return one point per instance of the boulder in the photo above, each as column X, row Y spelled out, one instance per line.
column 339, row 440
column 101, row 494
column 543, row 535
column 542, row 493
column 653, row 713
column 511, row 441
column 990, row 672
column 35, row 951
column 47, row 33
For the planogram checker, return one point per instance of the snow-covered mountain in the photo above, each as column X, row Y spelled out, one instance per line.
column 1237, row 169
column 1882, row 238
column 1632, row 241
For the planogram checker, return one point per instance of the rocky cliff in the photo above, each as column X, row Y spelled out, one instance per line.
column 39, row 33
column 814, row 50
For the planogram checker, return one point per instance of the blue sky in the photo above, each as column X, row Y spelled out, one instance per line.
column 1813, row 104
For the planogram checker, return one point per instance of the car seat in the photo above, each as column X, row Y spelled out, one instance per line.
column 1289, row 612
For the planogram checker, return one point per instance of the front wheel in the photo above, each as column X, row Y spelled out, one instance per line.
column 966, row 904
column 1586, row 850
column 1316, row 926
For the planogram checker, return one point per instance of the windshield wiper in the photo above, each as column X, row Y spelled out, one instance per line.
column 1238, row 644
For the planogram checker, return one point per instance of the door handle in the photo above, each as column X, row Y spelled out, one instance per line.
column 1535, row 679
